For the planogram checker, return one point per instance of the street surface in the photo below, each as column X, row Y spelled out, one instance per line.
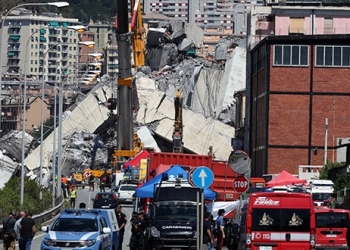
column 85, row 196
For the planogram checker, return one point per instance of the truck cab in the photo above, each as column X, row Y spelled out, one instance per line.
column 173, row 216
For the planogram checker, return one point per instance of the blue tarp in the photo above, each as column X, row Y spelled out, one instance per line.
column 147, row 190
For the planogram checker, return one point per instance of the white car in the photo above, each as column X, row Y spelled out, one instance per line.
column 125, row 192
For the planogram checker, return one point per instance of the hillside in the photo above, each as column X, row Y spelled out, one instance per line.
column 84, row 10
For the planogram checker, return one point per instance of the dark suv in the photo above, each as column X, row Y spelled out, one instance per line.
column 105, row 200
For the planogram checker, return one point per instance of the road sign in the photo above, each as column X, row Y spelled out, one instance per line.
column 240, row 184
column 202, row 177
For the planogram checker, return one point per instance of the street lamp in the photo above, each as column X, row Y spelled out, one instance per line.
column 57, row 4
column 79, row 29
column 42, row 122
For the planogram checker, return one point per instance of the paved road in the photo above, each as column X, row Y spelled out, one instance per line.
column 85, row 196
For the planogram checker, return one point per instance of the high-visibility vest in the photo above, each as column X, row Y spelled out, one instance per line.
column 73, row 194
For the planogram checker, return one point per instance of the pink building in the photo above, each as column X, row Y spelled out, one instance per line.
column 292, row 20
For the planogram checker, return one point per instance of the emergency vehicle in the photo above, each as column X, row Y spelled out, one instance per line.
column 279, row 221
column 93, row 229
column 331, row 228
column 321, row 190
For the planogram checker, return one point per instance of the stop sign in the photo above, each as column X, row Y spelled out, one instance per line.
column 240, row 184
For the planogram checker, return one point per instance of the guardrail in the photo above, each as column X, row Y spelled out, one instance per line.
column 49, row 214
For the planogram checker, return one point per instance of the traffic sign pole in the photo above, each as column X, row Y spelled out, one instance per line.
column 202, row 177
column 241, row 184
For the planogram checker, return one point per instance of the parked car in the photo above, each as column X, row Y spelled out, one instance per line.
column 105, row 200
column 125, row 192
column 82, row 229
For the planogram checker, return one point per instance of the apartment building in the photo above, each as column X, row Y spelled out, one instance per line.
column 210, row 13
column 42, row 45
column 297, row 73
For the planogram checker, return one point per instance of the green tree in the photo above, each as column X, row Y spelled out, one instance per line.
column 341, row 181
column 10, row 197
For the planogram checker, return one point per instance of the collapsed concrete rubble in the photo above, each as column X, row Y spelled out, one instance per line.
column 11, row 154
column 169, row 42
column 207, row 85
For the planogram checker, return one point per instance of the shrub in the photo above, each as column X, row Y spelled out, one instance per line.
column 10, row 197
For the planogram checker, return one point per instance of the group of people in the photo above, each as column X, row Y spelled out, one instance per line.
column 67, row 184
column 219, row 231
column 21, row 228
column 138, row 228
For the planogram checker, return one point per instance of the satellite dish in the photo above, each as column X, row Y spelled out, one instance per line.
column 239, row 161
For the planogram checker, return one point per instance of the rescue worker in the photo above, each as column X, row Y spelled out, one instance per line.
column 332, row 201
column 73, row 196
column 91, row 182
column 138, row 228
column 133, row 239
column 122, row 220
column 208, row 239
column 141, row 229
column 220, row 225
column 73, row 181
column 103, row 180
column 234, row 235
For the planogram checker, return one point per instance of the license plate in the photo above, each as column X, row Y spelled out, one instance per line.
column 105, row 206
column 331, row 235
column 176, row 249
column 265, row 248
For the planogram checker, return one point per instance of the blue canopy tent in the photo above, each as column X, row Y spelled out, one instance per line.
column 147, row 190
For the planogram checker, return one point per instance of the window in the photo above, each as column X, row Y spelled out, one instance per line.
column 333, row 56
column 296, row 25
column 281, row 220
column 332, row 220
column 75, row 225
column 291, row 55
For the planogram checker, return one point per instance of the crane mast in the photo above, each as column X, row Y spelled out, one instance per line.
column 128, row 144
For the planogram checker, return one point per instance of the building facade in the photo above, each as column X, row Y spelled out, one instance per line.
column 296, row 83
column 42, row 44
column 286, row 19
column 12, row 117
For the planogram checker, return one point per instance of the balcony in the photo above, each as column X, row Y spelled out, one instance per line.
column 53, row 57
column 12, row 48
column 53, row 34
column 303, row 2
column 17, row 25
column 13, row 38
column 64, row 42
column 13, row 60
column 52, row 66
column 13, row 55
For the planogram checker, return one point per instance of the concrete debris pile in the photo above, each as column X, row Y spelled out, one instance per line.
column 170, row 42
column 226, row 46
column 11, row 154
column 82, row 150
column 11, row 144
column 207, row 85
